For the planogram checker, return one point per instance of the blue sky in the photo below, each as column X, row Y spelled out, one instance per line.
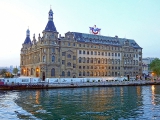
column 133, row 19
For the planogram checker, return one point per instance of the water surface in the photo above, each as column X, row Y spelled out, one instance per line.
column 92, row 103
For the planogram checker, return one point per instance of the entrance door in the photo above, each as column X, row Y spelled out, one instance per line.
column 43, row 76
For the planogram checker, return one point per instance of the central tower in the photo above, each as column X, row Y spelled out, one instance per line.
column 50, row 25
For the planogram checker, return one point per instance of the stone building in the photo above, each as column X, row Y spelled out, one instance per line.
column 146, row 66
column 78, row 55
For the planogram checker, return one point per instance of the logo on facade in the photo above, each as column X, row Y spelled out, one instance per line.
column 94, row 30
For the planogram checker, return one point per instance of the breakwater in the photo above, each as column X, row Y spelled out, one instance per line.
column 45, row 85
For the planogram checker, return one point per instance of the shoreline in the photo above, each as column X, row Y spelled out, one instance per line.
column 77, row 85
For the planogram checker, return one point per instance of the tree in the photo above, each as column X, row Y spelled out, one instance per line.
column 15, row 70
column 155, row 66
column 3, row 71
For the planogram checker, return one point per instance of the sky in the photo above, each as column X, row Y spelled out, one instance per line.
column 132, row 19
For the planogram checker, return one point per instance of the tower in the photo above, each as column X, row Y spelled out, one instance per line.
column 27, row 40
column 50, row 25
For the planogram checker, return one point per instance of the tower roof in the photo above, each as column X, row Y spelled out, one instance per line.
column 50, row 25
column 27, row 40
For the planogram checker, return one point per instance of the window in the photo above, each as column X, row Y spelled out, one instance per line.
column 74, row 57
column 84, row 52
column 95, row 53
column 63, row 62
column 91, row 52
column 63, row 73
column 118, row 54
column 44, row 58
column 69, row 64
column 98, row 61
column 87, row 52
column 83, row 67
column 80, row 60
column 87, row 60
column 80, row 52
column 63, row 53
column 108, row 54
column 31, row 71
column 112, row 54
column 79, row 45
column 105, row 53
column 69, row 44
column 74, row 44
column 84, row 60
column 80, row 73
column 52, row 72
column 53, row 59
column 44, row 50
column 87, row 73
column 68, row 56
column 83, row 73
column 74, row 65
column 68, row 73
column 53, row 50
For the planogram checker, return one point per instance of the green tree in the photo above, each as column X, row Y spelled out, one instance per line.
column 155, row 66
column 3, row 71
column 15, row 70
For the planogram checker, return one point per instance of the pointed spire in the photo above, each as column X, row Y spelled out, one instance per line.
column 27, row 40
column 27, row 32
column 50, row 25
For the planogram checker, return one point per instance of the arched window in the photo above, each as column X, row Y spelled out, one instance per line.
column 68, row 73
column 44, row 58
column 99, row 61
column 95, row 61
column 91, row 60
column 68, row 56
column 52, row 72
column 88, row 74
column 84, row 60
column 68, row 64
column 53, row 59
column 80, row 73
column 112, row 73
column 80, row 60
column 63, row 73
column 31, row 71
column 106, row 74
column 112, row 61
column 87, row 60
column 83, row 73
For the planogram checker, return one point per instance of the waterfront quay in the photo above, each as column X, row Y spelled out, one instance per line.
column 45, row 85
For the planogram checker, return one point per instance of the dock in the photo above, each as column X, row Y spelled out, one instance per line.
column 77, row 85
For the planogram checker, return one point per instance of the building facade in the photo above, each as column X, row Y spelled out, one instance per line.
column 146, row 66
column 78, row 55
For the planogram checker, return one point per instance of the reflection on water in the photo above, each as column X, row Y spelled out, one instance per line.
column 96, row 103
